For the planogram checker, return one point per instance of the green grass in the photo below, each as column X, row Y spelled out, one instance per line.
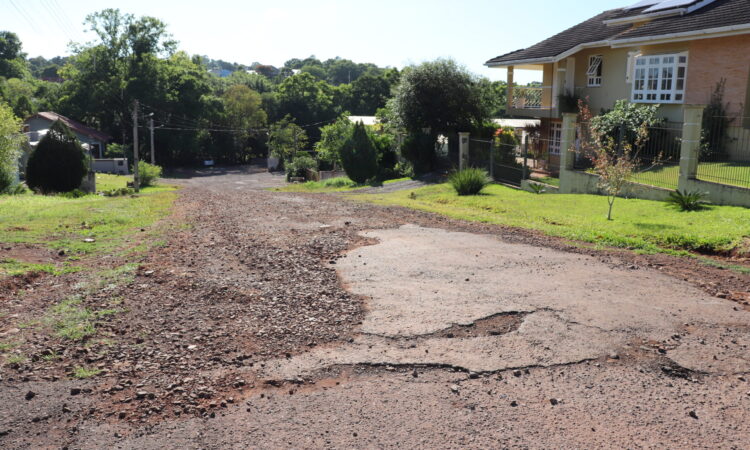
column 107, row 182
column 60, row 223
column 739, row 172
column 84, row 372
column 72, row 321
column 641, row 225
column 16, row 359
column 339, row 184
column 12, row 267
column 666, row 176
column 552, row 181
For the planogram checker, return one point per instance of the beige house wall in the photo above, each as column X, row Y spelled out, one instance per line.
column 709, row 60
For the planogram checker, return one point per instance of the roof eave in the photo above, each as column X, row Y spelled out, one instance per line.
column 683, row 36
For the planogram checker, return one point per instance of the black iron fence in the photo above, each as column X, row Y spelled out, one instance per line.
column 725, row 151
column 503, row 162
column 657, row 155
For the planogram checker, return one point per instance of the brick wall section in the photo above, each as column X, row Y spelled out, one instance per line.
column 713, row 59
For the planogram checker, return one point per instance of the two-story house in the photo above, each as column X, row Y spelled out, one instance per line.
column 669, row 52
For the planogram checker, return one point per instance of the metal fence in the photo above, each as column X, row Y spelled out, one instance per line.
column 503, row 162
column 725, row 150
column 658, row 157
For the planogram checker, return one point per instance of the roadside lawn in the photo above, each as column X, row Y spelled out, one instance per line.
column 339, row 184
column 642, row 225
column 91, row 224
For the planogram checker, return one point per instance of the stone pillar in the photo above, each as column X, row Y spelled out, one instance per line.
column 567, row 151
column 463, row 150
column 690, row 148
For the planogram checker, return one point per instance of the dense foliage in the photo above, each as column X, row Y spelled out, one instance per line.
column 58, row 163
column 10, row 140
column 204, row 108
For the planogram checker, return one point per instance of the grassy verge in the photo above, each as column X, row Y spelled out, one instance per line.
column 339, row 184
column 87, row 225
column 642, row 225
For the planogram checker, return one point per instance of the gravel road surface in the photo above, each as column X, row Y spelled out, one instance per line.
column 315, row 321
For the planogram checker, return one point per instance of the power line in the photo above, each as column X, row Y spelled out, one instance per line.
column 56, row 18
column 25, row 16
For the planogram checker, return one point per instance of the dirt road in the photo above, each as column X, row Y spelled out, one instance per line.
column 314, row 321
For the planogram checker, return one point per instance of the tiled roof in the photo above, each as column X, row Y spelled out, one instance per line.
column 720, row 13
column 592, row 30
column 74, row 125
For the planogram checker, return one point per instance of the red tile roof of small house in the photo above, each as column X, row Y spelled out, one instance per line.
column 74, row 125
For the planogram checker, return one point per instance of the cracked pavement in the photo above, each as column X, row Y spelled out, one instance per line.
column 419, row 281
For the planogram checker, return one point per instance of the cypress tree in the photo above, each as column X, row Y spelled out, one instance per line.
column 58, row 164
column 359, row 157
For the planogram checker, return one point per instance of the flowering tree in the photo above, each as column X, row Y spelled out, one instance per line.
column 614, row 164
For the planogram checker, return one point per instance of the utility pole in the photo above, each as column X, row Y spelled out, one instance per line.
column 136, row 183
column 151, row 127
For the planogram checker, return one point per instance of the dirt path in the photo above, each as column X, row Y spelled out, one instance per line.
column 292, row 320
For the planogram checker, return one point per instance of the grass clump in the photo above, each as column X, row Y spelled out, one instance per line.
column 469, row 181
column 12, row 267
column 82, row 373
column 71, row 321
column 644, row 225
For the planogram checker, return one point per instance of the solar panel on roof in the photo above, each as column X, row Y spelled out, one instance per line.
column 644, row 3
column 669, row 4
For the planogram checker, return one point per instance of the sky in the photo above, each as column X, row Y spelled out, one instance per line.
column 391, row 33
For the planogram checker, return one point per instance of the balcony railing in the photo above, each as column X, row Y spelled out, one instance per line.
column 523, row 97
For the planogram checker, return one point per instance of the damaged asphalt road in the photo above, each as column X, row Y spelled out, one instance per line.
column 352, row 325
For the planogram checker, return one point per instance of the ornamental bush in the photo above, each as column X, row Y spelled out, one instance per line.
column 359, row 156
column 469, row 181
column 58, row 164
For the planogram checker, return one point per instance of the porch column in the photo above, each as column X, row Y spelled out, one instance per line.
column 509, row 94
column 463, row 150
column 567, row 151
column 690, row 147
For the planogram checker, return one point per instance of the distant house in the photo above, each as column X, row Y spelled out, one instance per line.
column 221, row 73
column 667, row 52
column 94, row 141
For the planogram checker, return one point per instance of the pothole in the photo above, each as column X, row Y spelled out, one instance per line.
column 495, row 325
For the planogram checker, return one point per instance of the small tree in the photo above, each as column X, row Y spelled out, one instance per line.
column 58, row 164
column 10, row 147
column 359, row 156
column 333, row 137
column 615, row 161
column 286, row 139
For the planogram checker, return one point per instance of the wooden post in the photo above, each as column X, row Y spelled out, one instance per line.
column 136, row 181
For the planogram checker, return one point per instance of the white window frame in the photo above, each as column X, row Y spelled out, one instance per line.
column 660, row 78
column 595, row 70
column 555, row 138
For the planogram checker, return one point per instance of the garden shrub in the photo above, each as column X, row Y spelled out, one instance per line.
column 148, row 173
column 687, row 200
column 469, row 181
column 118, row 192
column 58, row 164
column 299, row 165
column 359, row 156
column 419, row 149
